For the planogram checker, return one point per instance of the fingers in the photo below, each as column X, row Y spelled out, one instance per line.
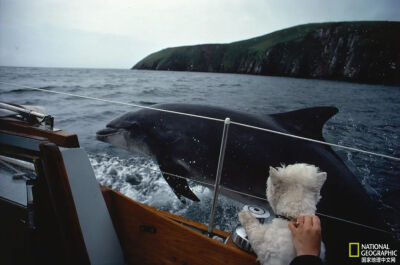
column 317, row 224
column 292, row 227
column 300, row 219
column 316, row 221
column 307, row 221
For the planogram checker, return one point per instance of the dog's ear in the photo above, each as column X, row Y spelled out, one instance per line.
column 273, row 172
column 321, row 178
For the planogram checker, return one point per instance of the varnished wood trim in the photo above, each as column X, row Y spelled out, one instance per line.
column 61, row 138
column 179, row 219
column 173, row 243
column 187, row 222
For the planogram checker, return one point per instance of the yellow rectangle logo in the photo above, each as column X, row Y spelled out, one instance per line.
column 354, row 252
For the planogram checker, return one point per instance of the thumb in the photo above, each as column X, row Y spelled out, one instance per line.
column 292, row 227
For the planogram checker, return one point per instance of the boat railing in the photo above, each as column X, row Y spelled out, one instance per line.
column 227, row 122
column 46, row 120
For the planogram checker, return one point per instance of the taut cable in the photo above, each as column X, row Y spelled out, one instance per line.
column 263, row 199
column 208, row 118
column 232, row 122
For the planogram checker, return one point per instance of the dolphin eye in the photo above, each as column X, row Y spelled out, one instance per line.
column 134, row 126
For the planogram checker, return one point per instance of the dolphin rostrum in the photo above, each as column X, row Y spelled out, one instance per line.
column 189, row 147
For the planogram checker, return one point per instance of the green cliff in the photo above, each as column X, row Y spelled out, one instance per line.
column 367, row 52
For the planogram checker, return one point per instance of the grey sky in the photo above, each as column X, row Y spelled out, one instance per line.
column 117, row 34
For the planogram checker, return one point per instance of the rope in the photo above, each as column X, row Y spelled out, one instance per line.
column 209, row 118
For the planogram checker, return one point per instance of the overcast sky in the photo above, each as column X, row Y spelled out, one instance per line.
column 118, row 33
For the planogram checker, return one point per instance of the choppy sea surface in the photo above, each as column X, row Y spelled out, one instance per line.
column 368, row 118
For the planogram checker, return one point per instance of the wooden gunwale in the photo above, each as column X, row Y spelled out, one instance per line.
column 172, row 242
column 147, row 235
column 61, row 138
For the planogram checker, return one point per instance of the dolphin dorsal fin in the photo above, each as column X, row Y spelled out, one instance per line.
column 307, row 122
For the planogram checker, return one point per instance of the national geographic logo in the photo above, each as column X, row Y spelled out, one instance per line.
column 372, row 253
column 354, row 250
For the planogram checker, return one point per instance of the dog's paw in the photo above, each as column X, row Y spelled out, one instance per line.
column 243, row 215
column 246, row 218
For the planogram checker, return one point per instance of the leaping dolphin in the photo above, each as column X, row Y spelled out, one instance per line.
column 189, row 147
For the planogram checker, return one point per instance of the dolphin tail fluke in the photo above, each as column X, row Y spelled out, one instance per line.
column 181, row 188
column 307, row 122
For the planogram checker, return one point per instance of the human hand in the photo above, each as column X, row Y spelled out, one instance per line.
column 306, row 235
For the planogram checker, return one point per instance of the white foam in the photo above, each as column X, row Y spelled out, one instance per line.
column 149, row 187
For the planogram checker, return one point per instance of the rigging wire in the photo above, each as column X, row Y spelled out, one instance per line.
column 114, row 102
column 317, row 141
column 208, row 185
column 232, row 122
column 208, row 118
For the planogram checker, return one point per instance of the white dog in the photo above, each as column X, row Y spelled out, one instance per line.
column 292, row 191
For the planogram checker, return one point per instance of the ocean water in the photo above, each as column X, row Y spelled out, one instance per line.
column 368, row 118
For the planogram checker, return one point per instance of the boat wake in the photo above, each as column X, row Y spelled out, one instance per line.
column 140, row 179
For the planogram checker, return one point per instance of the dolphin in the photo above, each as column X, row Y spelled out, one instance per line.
column 189, row 147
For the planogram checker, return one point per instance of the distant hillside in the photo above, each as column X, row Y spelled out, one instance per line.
column 366, row 52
